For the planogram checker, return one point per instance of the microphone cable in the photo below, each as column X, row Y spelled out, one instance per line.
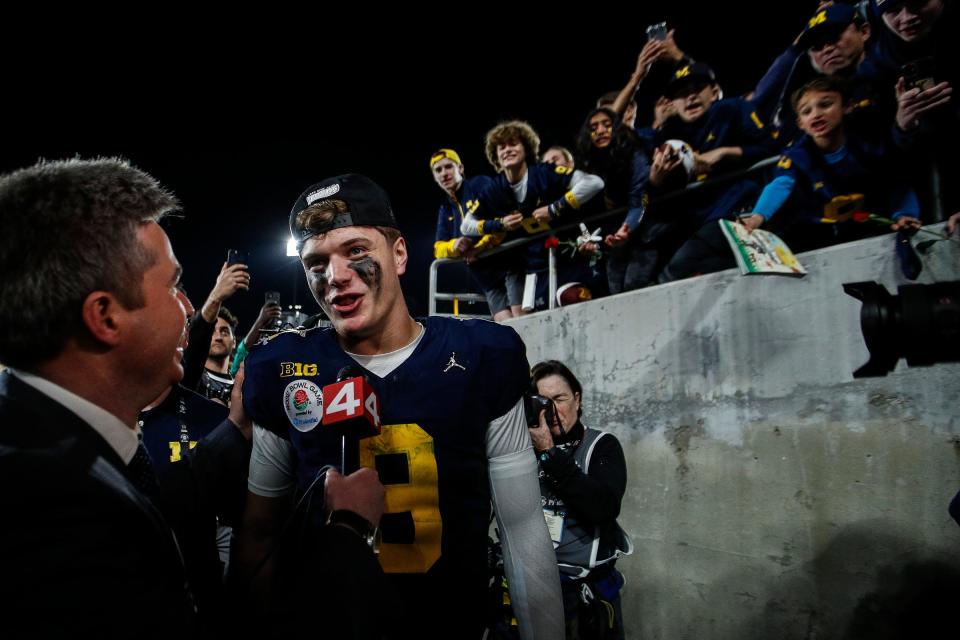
column 306, row 497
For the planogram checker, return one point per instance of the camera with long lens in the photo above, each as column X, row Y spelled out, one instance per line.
column 533, row 404
column 921, row 324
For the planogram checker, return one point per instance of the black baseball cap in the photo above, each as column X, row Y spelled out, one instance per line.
column 367, row 205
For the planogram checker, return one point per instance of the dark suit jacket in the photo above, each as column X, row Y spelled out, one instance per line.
column 86, row 555
column 208, row 484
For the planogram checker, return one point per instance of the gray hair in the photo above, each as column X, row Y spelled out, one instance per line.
column 69, row 228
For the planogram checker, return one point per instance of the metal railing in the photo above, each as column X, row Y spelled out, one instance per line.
column 456, row 298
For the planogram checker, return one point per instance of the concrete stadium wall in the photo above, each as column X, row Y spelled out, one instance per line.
column 770, row 494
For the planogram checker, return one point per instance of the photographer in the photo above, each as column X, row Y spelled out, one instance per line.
column 583, row 477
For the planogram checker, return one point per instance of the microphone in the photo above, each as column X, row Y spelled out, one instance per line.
column 352, row 407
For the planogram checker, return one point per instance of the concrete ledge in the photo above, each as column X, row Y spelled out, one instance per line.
column 770, row 494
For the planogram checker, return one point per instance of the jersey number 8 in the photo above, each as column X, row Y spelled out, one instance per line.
column 403, row 456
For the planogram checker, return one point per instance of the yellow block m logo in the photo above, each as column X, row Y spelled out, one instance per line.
column 820, row 18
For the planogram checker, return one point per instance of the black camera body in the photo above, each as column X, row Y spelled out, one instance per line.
column 533, row 404
column 215, row 387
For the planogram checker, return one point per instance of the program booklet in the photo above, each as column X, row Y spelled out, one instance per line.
column 761, row 252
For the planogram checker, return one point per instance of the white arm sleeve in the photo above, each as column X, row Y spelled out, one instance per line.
column 508, row 433
column 470, row 225
column 585, row 185
column 528, row 557
column 271, row 474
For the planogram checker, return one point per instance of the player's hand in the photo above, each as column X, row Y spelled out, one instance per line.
column 360, row 492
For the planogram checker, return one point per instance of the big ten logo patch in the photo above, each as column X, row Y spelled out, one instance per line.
column 290, row 369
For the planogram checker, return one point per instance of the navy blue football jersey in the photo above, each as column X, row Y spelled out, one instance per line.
column 431, row 454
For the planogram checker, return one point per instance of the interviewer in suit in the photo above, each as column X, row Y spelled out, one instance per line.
column 92, row 325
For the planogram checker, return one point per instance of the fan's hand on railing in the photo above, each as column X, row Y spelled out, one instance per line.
column 619, row 237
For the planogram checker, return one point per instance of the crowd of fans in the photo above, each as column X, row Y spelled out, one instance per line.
column 859, row 108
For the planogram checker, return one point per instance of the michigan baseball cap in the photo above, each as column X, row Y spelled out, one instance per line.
column 834, row 17
column 689, row 73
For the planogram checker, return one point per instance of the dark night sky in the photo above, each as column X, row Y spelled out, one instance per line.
column 237, row 122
